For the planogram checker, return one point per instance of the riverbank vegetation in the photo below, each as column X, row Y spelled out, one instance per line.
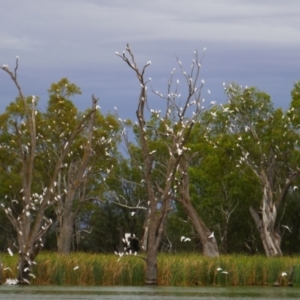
column 185, row 269
column 216, row 177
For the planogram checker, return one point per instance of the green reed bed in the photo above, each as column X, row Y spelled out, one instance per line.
column 89, row 269
column 183, row 269
column 242, row 270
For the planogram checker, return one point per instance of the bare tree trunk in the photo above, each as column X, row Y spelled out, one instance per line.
column 224, row 238
column 151, row 266
column 157, row 218
column 64, row 238
column 270, row 238
column 209, row 243
column 23, row 274
column 152, row 251
column 25, row 264
column 66, row 218
column 265, row 225
column 144, row 239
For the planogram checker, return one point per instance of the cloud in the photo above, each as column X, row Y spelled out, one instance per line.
column 246, row 40
column 91, row 23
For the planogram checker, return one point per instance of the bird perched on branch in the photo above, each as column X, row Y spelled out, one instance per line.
column 131, row 243
column 211, row 236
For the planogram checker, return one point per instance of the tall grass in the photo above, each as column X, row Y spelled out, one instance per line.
column 173, row 269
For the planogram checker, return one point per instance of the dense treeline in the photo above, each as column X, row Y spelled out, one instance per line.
column 223, row 178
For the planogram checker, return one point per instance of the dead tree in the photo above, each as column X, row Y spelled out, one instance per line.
column 172, row 130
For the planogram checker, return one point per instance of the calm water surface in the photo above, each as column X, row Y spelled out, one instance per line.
column 145, row 293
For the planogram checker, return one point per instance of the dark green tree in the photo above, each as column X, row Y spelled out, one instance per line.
column 265, row 142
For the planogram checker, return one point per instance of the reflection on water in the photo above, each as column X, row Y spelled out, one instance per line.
column 146, row 292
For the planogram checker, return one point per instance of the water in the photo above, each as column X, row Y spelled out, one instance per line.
column 146, row 292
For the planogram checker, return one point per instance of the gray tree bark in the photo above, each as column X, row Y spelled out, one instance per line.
column 210, row 246
column 265, row 220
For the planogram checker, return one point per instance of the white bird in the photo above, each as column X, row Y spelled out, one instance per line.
column 182, row 238
column 219, row 269
column 76, row 268
column 283, row 274
column 224, row 272
column 179, row 151
column 10, row 281
column 10, row 252
column 127, row 237
column 212, row 235
column 288, row 228
column 25, row 280
column 132, row 213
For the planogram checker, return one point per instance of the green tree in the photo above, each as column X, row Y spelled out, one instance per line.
column 218, row 191
column 83, row 171
column 266, row 147
column 29, row 220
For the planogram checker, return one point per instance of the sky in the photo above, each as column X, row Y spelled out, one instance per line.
column 253, row 43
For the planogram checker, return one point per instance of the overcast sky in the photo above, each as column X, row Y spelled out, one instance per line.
column 254, row 43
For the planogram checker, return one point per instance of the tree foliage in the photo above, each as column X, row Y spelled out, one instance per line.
column 226, row 176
